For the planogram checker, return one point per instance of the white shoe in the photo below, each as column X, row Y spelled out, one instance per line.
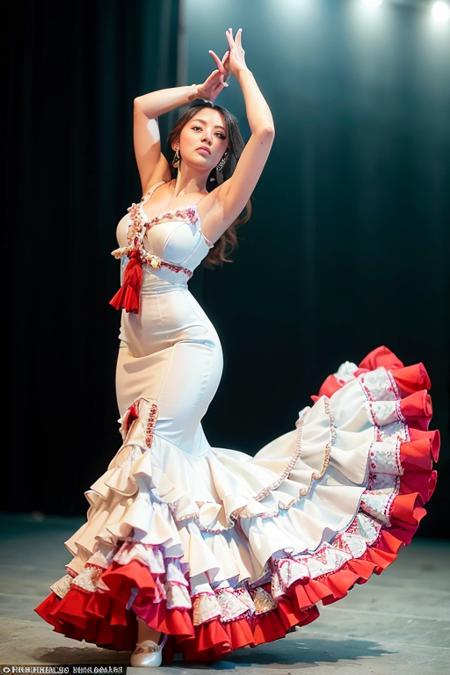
column 150, row 653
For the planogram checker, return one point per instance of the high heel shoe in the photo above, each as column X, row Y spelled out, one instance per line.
column 151, row 654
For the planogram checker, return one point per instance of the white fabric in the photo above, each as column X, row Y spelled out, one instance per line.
column 213, row 515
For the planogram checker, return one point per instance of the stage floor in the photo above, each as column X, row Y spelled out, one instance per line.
column 397, row 622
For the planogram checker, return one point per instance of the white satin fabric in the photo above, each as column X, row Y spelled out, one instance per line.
column 216, row 515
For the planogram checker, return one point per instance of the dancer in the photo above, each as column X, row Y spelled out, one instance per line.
column 202, row 550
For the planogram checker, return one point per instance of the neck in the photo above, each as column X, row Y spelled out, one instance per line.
column 180, row 185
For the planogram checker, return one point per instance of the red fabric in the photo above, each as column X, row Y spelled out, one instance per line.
column 128, row 295
column 101, row 617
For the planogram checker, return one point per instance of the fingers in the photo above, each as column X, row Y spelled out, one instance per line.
column 215, row 57
column 229, row 34
column 220, row 63
column 216, row 78
column 226, row 67
column 211, row 77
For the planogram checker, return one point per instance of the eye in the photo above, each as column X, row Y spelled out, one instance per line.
column 221, row 135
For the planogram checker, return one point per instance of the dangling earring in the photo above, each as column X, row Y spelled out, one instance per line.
column 220, row 166
column 176, row 160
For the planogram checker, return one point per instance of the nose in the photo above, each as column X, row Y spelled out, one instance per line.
column 206, row 137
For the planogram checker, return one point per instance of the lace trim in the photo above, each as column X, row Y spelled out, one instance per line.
column 230, row 604
column 88, row 579
column 62, row 586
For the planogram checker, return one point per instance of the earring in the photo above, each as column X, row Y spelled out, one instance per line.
column 219, row 167
column 222, row 162
column 176, row 159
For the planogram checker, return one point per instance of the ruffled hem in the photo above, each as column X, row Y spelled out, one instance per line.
column 226, row 606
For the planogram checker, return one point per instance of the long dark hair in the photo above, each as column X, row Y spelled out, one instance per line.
column 228, row 241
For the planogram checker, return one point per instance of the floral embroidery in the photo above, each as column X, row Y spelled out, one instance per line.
column 151, row 424
column 190, row 214
column 135, row 235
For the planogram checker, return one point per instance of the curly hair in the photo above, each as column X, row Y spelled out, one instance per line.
column 228, row 241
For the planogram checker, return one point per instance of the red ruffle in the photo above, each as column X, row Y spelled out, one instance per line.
column 102, row 618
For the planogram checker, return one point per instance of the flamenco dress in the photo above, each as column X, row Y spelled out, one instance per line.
column 209, row 545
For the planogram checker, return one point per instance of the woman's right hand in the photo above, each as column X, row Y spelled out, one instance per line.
column 216, row 81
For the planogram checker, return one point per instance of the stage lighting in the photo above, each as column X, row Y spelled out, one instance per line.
column 440, row 11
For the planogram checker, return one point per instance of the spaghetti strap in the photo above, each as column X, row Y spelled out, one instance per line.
column 149, row 192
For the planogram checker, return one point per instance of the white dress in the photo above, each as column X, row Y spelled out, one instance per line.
column 210, row 545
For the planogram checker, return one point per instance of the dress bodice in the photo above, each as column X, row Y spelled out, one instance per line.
column 167, row 247
column 174, row 236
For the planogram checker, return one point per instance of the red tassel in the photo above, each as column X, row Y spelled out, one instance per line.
column 128, row 295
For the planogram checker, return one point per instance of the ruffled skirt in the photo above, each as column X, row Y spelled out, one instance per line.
column 224, row 550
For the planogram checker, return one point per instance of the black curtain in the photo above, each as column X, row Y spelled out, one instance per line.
column 74, row 69
column 347, row 248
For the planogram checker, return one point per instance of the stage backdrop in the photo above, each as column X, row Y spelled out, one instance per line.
column 347, row 248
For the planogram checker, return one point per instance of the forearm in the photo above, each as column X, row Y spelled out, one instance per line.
column 158, row 102
column 258, row 112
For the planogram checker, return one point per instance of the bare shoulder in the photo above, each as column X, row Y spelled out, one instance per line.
column 161, row 173
column 214, row 216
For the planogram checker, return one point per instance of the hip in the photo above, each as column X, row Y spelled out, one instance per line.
column 167, row 315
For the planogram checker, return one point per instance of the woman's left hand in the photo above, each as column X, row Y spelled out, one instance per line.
column 217, row 80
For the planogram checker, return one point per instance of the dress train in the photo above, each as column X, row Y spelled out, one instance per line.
column 221, row 550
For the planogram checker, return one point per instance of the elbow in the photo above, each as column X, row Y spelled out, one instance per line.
column 266, row 132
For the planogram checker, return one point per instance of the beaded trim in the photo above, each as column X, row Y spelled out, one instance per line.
column 189, row 213
column 132, row 413
column 383, row 485
column 315, row 475
column 135, row 235
column 153, row 414
column 351, row 543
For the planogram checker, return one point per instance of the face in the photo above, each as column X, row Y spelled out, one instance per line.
column 208, row 129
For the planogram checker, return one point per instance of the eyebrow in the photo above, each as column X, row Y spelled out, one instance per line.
column 203, row 122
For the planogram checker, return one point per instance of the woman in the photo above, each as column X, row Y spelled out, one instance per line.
column 204, row 550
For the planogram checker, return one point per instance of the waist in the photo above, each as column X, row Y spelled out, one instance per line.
column 155, row 281
column 153, row 278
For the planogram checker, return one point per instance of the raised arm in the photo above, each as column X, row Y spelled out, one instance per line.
column 224, row 204
column 151, row 162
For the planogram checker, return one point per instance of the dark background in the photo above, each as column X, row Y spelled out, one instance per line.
column 347, row 249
